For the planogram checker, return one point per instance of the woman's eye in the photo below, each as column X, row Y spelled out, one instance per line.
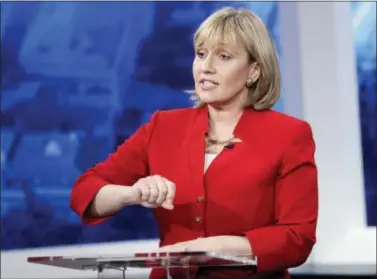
column 224, row 57
column 200, row 54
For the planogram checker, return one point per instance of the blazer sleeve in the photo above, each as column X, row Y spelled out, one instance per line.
column 289, row 243
column 125, row 166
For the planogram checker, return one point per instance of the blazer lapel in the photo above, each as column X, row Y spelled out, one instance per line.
column 245, row 133
column 244, row 130
column 196, row 148
column 247, row 126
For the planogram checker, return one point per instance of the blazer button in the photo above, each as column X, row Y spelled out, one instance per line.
column 198, row 219
column 200, row 199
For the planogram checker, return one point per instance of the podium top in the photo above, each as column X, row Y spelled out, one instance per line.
column 145, row 260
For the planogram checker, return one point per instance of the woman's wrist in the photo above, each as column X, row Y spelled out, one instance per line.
column 130, row 196
column 235, row 245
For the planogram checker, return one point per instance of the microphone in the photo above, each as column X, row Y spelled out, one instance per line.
column 229, row 146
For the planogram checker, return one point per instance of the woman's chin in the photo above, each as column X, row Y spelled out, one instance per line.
column 211, row 101
column 207, row 98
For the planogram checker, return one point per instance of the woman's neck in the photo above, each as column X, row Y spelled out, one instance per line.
column 224, row 117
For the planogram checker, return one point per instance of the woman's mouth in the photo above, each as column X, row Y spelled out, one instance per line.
column 206, row 84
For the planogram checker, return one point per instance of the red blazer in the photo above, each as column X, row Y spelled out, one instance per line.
column 264, row 188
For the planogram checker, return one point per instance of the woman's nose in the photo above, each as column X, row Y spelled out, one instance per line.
column 208, row 65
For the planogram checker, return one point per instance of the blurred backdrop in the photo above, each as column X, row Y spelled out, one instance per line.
column 79, row 77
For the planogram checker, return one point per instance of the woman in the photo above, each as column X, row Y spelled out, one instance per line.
column 230, row 175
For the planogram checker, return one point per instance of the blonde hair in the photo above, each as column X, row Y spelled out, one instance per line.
column 242, row 27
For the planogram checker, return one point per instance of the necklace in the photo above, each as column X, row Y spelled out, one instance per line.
column 218, row 142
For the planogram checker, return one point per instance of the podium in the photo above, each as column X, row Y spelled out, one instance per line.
column 166, row 261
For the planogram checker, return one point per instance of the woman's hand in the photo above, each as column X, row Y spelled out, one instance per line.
column 233, row 245
column 155, row 191
column 209, row 244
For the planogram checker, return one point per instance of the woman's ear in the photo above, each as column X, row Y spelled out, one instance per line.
column 255, row 71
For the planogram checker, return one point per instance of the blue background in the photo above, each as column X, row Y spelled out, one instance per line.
column 79, row 77
column 364, row 25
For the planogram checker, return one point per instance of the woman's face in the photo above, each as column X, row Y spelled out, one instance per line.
column 220, row 72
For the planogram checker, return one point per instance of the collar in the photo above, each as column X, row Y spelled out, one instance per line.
column 244, row 130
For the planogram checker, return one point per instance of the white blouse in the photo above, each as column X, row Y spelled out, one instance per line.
column 208, row 160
